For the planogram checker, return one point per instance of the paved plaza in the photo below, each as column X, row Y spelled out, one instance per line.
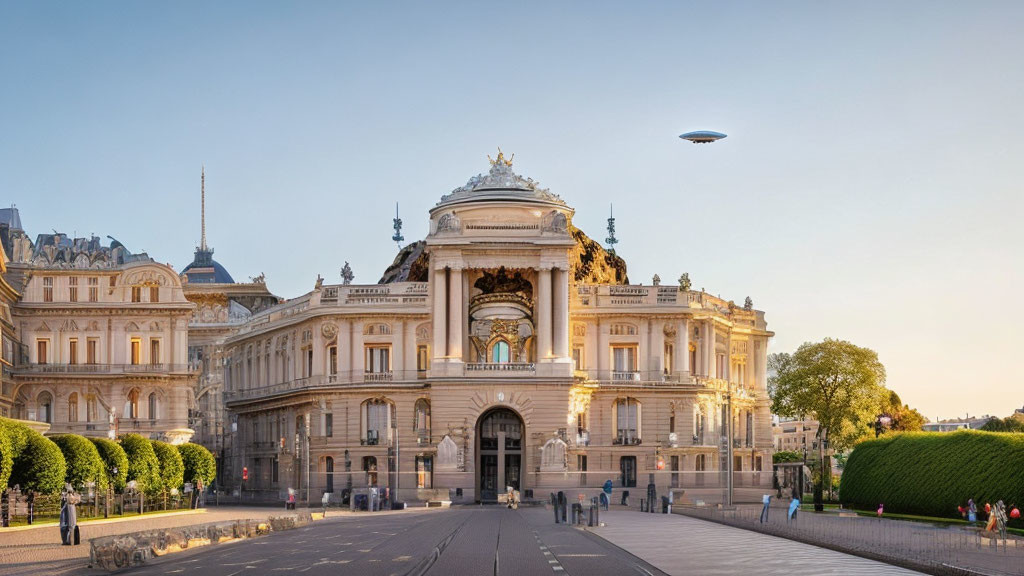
column 471, row 540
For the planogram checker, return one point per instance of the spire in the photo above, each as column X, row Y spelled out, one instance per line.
column 202, row 188
column 398, row 238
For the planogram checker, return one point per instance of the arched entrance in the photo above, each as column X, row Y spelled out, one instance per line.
column 499, row 453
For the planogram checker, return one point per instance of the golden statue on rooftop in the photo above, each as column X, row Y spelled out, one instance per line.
column 501, row 159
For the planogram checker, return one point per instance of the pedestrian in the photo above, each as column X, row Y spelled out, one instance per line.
column 881, row 509
column 794, row 506
column 766, row 500
column 972, row 511
column 606, row 493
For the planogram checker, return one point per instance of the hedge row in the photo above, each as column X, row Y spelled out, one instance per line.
column 931, row 473
column 41, row 464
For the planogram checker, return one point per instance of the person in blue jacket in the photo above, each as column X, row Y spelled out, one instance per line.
column 794, row 505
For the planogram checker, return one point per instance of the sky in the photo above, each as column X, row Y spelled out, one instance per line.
column 869, row 189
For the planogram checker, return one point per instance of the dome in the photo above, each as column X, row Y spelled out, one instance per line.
column 205, row 270
column 500, row 183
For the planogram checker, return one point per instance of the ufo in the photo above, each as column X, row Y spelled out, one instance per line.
column 702, row 136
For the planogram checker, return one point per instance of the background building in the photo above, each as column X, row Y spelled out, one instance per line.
column 507, row 349
column 106, row 338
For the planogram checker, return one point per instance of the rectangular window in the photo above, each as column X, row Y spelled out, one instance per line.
column 424, row 472
column 113, row 281
column 136, row 294
column 42, row 350
column 329, row 425
column 136, row 350
column 627, row 469
column 91, row 413
column 94, row 289
column 669, row 356
column 422, row 358
column 378, row 359
column 73, row 351
column 273, row 472
column 626, row 421
column 577, row 358
column 73, row 289
column 624, row 358
column 154, row 293
column 154, row 350
column 309, row 363
column 91, row 352
column 332, row 356
column 47, row 289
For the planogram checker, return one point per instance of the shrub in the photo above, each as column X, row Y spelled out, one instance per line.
column 171, row 468
column 113, row 456
column 199, row 463
column 40, row 467
column 143, row 465
column 931, row 473
column 787, row 456
column 13, row 436
column 83, row 461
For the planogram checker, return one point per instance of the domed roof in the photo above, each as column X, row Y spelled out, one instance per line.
column 205, row 270
column 500, row 183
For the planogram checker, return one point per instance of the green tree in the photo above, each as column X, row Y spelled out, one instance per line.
column 143, row 465
column 199, row 463
column 838, row 384
column 13, row 437
column 83, row 461
column 40, row 467
column 903, row 417
column 1009, row 424
column 171, row 468
column 113, row 457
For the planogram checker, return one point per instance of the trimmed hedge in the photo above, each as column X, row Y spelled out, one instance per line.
column 83, row 461
column 40, row 467
column 199, row 462
column 113, row 456
column 143, row 465
column 171, row 468
column 13, row 437
column 931, row 473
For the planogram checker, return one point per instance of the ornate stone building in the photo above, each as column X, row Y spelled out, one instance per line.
column 106, row 337
column 221, row 307
column 505, row 350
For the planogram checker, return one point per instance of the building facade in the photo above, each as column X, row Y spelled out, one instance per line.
column 106, row 333
column 495, row 356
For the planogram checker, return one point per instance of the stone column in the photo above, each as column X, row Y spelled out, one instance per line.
column 455, row 314
column 728, row 356
column 561, row 313
column 398, row 349
column 658, row 360
column 344, row 350
column 683, row 346
column 543, row 314
column 439, row 288
column 710, row 362
column 602, row 351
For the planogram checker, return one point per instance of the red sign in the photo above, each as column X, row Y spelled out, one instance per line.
column 661, row 463
column 245, row 473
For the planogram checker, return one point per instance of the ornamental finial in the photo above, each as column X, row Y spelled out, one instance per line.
column 501, row 159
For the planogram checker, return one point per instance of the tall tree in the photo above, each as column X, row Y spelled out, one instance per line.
column 835, row 382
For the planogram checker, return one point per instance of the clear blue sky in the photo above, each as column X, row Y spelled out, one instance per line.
column 870, row 188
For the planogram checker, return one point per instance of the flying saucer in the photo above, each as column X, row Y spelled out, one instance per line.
column 702, row 136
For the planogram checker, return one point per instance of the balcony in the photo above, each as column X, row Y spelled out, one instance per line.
column 583, row 438
column 72, row 369
column 626, row 438
column 618, row 376
column 501, row 369
column 423, row 437
column 378, row 376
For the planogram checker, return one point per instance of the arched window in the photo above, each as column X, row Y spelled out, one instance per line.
column 45, row 404
column 422, row 423
column 626, row 418
column 500, row 352
column 132, row 406
column 152, row 406
column 73, row 407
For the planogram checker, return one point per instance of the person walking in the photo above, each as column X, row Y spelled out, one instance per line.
column 794, row 506
column 972, row 511
column 766, row 500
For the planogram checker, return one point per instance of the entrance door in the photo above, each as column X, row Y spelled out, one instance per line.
column 499, row 453
column 627, row 467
